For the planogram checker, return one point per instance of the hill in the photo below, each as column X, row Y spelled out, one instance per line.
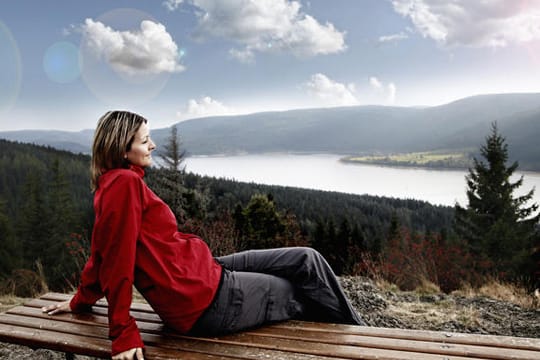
column 366, row 129
column 459, row 125
column 75, row 142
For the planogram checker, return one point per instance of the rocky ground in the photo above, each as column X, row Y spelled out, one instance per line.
column 396, row 309
column 442, row 312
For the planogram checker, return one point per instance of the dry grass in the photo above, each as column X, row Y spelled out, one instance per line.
column 427, row 308
column 385, row 285
column 427, row 314
column 9, row 301
column 502, row 291
column 433, row 314
column 427, row 287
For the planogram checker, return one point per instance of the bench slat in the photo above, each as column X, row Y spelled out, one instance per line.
column 327, row 349
column 55, row 297
column 82, row 318
column 66, row 330
column 425, row 335
column 139, row 315
column 37, row 338
column 397, row 344
column 219, row 348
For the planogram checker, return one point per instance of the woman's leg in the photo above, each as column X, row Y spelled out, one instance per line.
column 246, row 300
column 314, row 281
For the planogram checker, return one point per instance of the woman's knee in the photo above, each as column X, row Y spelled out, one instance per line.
column 309, row 254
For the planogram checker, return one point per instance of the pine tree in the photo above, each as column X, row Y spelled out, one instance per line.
column 9, row 251
column 499, row 227
column 262, row 223
column 34, row 225
column 171, row 185
column 341, row 247
column 56, row 260
column 174, row 155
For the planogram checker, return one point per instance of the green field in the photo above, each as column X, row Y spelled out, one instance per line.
column 439, row 159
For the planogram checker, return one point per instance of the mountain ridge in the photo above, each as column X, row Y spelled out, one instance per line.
column 460, row 124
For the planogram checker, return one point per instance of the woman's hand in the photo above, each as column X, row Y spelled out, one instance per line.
column 57, row 308
column 129, row 355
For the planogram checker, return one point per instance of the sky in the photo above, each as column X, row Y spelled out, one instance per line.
column 63, row 63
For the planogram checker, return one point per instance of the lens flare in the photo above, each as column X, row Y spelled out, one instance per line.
column 61, row 62
column 10, row 69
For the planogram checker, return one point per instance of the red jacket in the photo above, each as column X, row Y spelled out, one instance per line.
column 135, row 242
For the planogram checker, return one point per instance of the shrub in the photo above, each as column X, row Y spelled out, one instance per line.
column 412, row 261
column 24, row 283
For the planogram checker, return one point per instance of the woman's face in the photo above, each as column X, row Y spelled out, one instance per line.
column 141, row 148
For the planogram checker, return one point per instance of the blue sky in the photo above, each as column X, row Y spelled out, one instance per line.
column 64, row 63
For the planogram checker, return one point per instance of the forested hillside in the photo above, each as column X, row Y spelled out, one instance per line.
column 46, row 214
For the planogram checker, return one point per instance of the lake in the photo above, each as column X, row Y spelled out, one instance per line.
column 326, row 172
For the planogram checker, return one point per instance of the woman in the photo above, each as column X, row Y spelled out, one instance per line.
column 135, row 242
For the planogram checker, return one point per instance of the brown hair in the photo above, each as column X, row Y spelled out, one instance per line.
column 112, row 139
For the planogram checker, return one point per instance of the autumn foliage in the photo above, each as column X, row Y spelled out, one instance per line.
column 409, row 260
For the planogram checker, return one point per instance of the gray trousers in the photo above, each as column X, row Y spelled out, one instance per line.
column 264, row 286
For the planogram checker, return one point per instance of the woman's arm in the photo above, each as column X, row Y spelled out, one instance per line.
column 116, row 232
column 110, row 269
column 89, row 290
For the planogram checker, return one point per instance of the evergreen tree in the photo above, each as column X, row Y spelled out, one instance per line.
column 34, row 225
column 498, row 226
column 56, row 260
column 170, row 183
column 9, row 251
column 292, row 233
column 341, row 247
column 174, row 155
column 319, row 236
column 262, row 223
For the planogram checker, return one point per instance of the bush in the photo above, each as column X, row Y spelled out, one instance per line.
column 412, row 261
column 24, row 283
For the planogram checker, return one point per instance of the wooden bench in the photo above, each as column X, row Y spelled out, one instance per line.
column 86, row 334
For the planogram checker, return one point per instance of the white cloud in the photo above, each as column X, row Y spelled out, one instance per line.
column 172, row 5
column 391, row 99
column 393, row 37
column 330, row 92
column 266, row 26
column 494, row 23
column 375, row 83
column 149, row 50
column 244, row 55
column 70, row 30
column 382, row 93
column 205, row 106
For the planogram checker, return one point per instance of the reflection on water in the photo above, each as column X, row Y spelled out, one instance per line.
column 326, row 172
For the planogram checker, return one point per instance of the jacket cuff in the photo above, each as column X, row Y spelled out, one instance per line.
column 129, row 338
column 77, row 306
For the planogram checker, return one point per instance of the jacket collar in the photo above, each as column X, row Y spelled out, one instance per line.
column 137, row 169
